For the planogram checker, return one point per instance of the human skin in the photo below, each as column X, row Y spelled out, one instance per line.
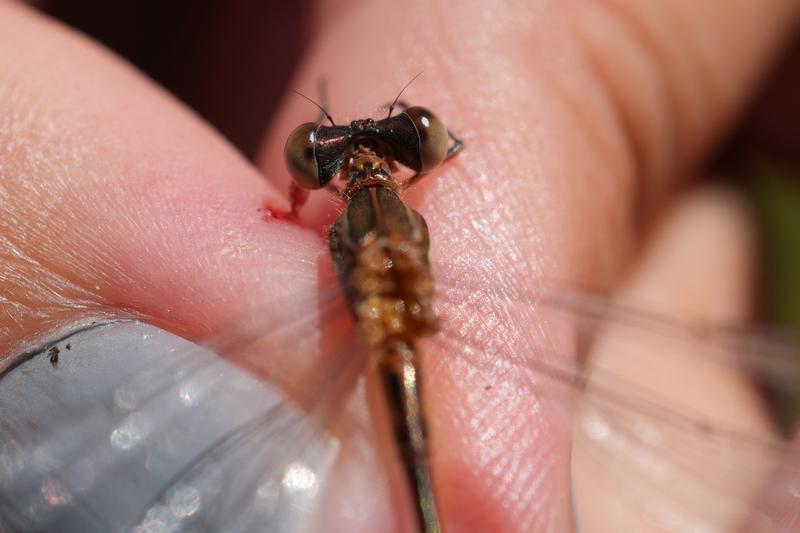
column 582, row 121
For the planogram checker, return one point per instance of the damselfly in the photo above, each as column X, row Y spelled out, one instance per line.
column 380, row 251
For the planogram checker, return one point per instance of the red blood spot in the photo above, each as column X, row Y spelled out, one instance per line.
column 274, row 213
column 297, row 197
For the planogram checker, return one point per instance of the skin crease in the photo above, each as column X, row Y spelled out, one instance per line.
column 579, row 119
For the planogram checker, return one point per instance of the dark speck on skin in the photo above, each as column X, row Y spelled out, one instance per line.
column 69, row 346
column 53, row 353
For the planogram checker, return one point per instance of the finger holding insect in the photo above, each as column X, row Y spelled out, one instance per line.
column 102, row 210
column 106, row 215
column 81, row 122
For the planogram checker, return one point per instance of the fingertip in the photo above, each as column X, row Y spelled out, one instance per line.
column 119, row 199
column 701, row 259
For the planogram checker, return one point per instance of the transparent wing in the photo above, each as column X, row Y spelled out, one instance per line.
column 148, row 459
column 692, row 444
column 660, row 460
column 671, row 422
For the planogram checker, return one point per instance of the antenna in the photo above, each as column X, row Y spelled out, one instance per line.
column 391, row 107
column 316, row 104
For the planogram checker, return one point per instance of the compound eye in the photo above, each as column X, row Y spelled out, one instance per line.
column 301, row 157
column 432, row 137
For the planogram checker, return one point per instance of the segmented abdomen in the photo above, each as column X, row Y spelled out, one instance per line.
column 380, row 252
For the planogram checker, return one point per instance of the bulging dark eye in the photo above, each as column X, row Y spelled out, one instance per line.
column 301, row 157
column 432, row 137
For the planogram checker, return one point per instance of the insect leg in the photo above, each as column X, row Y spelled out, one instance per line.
column 334, row 190
column 297, row 195
column 297, row 198
column 411, row 181
column 454, row 148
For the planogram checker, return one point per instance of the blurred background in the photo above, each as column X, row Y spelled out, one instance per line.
column 232, row 61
